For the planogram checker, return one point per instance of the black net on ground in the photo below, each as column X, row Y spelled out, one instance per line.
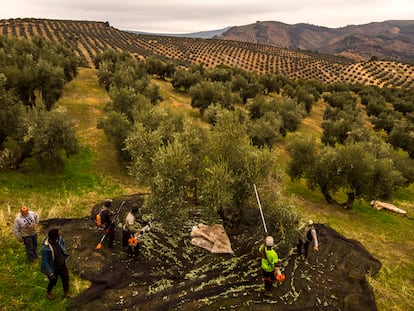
column 172, row 274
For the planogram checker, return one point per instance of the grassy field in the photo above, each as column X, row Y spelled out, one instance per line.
column 89, row 177
column 92, row 175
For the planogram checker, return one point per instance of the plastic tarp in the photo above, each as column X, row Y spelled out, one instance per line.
column 213, row 238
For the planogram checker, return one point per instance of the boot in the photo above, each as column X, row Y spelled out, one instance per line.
column 50, row 296
column 67, row 295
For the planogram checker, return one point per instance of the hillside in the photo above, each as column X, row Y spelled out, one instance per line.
column 88, row 38
column 390, row 40
column 191, row 274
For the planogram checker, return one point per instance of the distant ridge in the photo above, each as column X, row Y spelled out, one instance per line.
column 201, row 34
column 88, row 38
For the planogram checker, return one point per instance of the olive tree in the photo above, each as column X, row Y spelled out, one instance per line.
column 171, row 169
column 265, row 131
column 366, row 169
column 232, row 165
column 185, row 79
column 117, row 128
column 54, row 137
column 206, row 93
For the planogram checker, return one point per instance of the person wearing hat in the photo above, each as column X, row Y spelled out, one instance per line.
column 54, row 254
column 25, row 230
column 269, row 259
column 307, row 236
column 131, row 227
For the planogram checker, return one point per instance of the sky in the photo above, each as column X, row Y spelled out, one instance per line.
column 187, row 16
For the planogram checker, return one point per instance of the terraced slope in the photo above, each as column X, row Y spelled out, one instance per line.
column 89, row 38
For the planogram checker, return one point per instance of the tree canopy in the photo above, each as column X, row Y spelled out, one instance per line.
column 32, row 76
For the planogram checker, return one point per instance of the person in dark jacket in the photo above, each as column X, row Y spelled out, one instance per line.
column 106, row 222
column 54, row 254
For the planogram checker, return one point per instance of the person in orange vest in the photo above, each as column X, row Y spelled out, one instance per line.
column 269, row 259
column 104, row 220
column 131, row 228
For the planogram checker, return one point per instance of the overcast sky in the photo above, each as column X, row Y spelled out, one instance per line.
column 185, row 16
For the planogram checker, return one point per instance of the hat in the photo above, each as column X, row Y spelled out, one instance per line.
column 269, row 241
column 310, row 222
column 53, row 234
column 107, row 203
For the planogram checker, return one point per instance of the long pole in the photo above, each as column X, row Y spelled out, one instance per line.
column 260, row 208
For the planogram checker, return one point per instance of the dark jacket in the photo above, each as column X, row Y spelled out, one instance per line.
column 47, row 266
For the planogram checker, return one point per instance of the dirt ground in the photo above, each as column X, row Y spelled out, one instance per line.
column 172, row 274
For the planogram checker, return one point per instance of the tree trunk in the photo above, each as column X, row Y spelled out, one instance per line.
column 351, row 198
column 328, row 196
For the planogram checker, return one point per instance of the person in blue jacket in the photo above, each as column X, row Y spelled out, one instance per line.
column 54, row 254
column 269, row 259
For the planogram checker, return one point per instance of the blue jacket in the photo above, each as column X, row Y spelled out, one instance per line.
column 48, row 256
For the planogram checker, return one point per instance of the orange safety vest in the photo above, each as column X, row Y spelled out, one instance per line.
column 98, row 220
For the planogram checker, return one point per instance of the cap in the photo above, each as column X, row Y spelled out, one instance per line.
column 107, row 202
column 269, row 241
column 310, row 222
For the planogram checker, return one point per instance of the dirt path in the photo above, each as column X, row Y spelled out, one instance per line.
column 85, row 99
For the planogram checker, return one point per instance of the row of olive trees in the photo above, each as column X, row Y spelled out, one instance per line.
column 185, row 163
column 351, row 158
column 32, row 76
column 276, row 105
column 392, row 111
column 229, row 86
column 36, row 69
column 368, row 169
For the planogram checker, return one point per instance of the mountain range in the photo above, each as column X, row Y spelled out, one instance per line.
column 388, row 40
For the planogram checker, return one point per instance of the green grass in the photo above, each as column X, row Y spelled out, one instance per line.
column 89, row 177
column 23, row 285
column 92, row 175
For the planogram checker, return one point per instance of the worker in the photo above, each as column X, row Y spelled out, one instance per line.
column 104, row 220
column 130, row 229
column 54, row 254
column 269, row 259
column 307, row 237
column 25, row 230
